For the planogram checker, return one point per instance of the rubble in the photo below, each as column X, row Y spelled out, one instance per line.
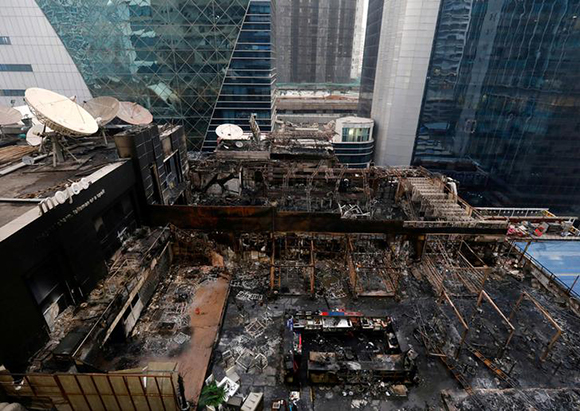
column 323, row 287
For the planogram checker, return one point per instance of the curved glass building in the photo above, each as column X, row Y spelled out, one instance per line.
column 171, row 56
column 32, row 55
column 353, row 141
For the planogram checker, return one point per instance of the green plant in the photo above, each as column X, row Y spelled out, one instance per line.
column 212, row 395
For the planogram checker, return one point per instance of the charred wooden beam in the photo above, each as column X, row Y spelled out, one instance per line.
column 268, row 219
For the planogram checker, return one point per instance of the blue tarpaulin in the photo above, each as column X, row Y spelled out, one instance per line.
column 562, row 258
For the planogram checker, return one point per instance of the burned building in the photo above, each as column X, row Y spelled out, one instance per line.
column 267, row 274
column 59, row 226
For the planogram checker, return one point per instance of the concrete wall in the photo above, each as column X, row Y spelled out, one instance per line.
column 310, row 118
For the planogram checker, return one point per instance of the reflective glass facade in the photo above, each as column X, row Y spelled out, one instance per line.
column 355, row 135
column 354, row 155
column 503, row 92
column 249, row 85
column 169, row 55
column 370, row 56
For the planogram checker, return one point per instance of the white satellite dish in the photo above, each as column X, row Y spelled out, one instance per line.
column 8, row 115
column 229, row 132
column 60, row 113
column 26, row 113
column 103, row 109
column 35, row 135
column 133, row 113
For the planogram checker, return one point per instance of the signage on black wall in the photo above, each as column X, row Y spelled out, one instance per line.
column 61, row 197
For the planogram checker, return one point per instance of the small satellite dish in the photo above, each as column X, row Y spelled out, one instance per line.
column 34, row 136
column 60, row 113
column 8, row 115
column 239, row 144
column 133, row 113
column 229, row 132
column 103, row 109
column 26, row 113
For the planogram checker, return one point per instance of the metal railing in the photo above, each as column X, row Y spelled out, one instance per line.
column 551, row 276
column 515, row 212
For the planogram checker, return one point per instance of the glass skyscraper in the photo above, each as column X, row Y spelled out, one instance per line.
column 171, row 56
column 316, row 40
column 371, row 52
column 503, row 91
column 485, row 91
column 249, row 86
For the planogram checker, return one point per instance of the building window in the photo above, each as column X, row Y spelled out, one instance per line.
column 11, row 93
column 355, row 135
column 4, row 40
column 15, row 67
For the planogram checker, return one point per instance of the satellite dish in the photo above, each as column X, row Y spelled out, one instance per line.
column 60, row 113
column 229, row 132
column 133, row 113
column 8, row 115
column 26, row 113
column 34, row 136
column 103, row 109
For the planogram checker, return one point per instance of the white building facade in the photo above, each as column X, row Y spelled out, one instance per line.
column 32, row 55
column 406, row 38
column 353, row 141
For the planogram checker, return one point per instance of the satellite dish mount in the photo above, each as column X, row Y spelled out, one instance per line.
column 104, row 110
column 62, row 115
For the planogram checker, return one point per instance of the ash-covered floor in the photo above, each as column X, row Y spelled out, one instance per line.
column 251, row 348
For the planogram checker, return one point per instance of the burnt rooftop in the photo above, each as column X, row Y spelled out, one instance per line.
column 326, row 320
column 27, row 176
column 299, row 282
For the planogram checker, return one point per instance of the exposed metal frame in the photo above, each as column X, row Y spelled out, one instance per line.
column 542, row 310
column 511, row 328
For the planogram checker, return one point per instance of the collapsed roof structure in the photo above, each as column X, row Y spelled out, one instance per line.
column 269, row 273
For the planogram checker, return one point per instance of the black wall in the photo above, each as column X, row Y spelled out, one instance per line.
column 144, row 145
column 63, row 243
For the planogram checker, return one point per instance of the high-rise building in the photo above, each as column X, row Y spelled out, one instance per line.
column 394, row 83
column 32, row 55
column 353, row 141
column 360, row 24
column 370, row 56
column 170, row 56
column 490, row 83
column 249, row 85
column 315, row 40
